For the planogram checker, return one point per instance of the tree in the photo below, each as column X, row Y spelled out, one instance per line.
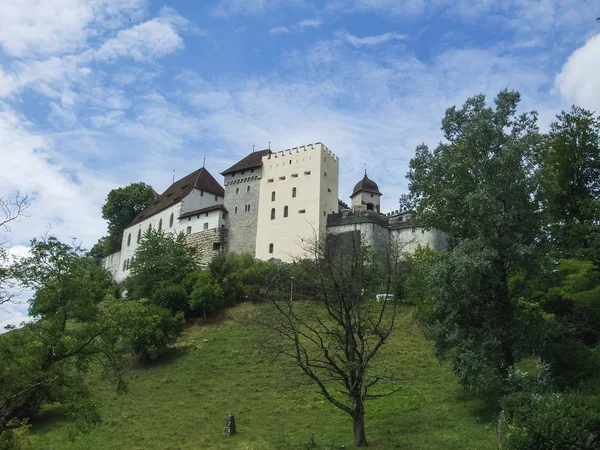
column 570, row 179
column 334, row 338
column 11, row 211
column 121, row 207
column 478, row 187
column 207, row 294
column 162, row 259
column 45, row 361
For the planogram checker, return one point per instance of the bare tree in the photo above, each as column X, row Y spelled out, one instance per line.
column 334, row 336
column 10, row 211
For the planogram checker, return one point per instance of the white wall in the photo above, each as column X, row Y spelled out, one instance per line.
column 198, row 199
column 316, row 196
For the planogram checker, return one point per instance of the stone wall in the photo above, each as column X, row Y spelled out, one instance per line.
column 208, row 244
column 242, row 223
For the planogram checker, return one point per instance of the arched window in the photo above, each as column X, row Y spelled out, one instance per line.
column 272, row 213
column 248, row 189
column 248, row 207
column 128, row 239
column 237, row 190
column 235, row 210
column 171, row 220
column 149, row 227
column 293, row 192
column 270, row 248
column 273, row 196
column 139, row 238
column 160, row 225
column 285, row 211
column 124, row 265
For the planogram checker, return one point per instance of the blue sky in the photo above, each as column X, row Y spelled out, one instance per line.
column 96, row 94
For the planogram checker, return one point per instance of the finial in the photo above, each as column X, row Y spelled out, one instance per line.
column 203, row 162
column 252, row 148
column 365, row 170
column 269, row 145
column 173, row 175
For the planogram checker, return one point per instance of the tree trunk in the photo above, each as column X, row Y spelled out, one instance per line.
column 358, row 421
column 204, row 313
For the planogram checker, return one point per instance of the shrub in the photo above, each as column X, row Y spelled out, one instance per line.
column 550, row 421
column 154, row 330
column 207, row 294
column 174, row 298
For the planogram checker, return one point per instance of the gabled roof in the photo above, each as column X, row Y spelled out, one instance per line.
column 200, row 179
column 254, row 159
column 203, row 210
column 366, row 185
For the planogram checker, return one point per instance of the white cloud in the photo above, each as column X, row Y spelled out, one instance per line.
column 275, row 31
column 45, row 28
column 227, row 8
column 310, row 23
column 369, row 40
column 579, row 80
column 146, row 41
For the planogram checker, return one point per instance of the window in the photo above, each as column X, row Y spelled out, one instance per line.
column 270, row 180
column 128, row 239
column 160, row 225
column 205, row 225
column 188, row 230
column 245, row 208
column 248, row 189
column 272, row 213
column 282, row 178
column 307, row 172
column 237, row 191
column 301, row 211
column 216, row 198
column 324, row 213
column 294, row 175
column 273, row 196
column 290, row 161
column 124, row 265
column 235, row 210
column 201, row 193
column 139, row 236
column 149, row 227
column 324, row 174
column 293, row 192
column 242, row 172
column 171, row 220
column 233, row 174
column 251, row 170
column 216, row 246
column 206, row 215
column 328, row 190
column 248, row 207
column 270, row 248
column 190, row 218
column 285, row 211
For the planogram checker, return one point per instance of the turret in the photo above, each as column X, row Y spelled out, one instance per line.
column 366, row 195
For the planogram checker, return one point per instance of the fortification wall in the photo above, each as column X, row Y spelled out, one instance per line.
column 208, row 244
column 112, row 264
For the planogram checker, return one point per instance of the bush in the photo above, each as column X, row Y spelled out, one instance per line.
column 154, row 330
column 174, row 298
column 207, row 294
column 550, row 421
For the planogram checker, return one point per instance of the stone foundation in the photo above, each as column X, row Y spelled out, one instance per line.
column 208, row 244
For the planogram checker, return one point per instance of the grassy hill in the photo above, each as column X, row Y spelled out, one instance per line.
column 181, row 401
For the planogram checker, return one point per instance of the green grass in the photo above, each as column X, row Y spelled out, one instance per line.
column 181, row 401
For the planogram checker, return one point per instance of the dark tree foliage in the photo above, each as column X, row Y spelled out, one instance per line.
column 121, row 207
column 570, row 179
column 478, row 187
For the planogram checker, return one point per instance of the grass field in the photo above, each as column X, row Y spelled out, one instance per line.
column 181, row 401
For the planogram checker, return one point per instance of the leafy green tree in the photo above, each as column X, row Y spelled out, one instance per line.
column 228, row 270
column 570, row 181
column 161, row 260
column 121, row 207
column 478, row 187
column 207, row 294
column 46, row 361
column 174, row 298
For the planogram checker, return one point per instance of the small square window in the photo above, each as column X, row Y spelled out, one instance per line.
column 282, row 178
column 302, row 211
column 205, row 225
column 216, row 246
column 270, row 180
column 189, row 230
column 307, row 172
column 294, row 175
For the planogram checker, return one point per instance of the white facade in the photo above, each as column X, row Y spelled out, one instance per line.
column 169, row 220
column 301, row 182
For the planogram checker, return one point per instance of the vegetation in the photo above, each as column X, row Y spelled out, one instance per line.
column 182, row 401
column 121, row 207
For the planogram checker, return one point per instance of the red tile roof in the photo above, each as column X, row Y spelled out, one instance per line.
column 200, row 179
column 254, row 159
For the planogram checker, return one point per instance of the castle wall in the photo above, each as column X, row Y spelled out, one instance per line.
column 208, row 244
column 313, row 171
column 242, row 189
column 112, row 263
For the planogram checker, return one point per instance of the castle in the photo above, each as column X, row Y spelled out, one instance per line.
column 271, row 205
